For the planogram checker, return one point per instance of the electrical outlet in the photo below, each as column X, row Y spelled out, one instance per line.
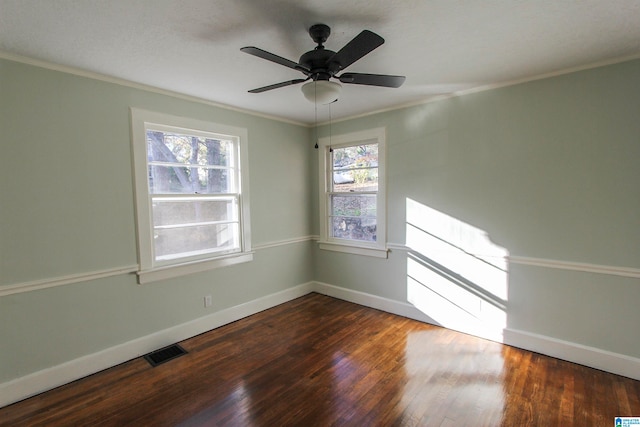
column 207, row 301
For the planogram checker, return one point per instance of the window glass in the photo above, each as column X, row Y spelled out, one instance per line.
column 353, row 199
column 194, row 240
column 185, row 164
column 189, row 210
column 355, row 168
column 201, row 216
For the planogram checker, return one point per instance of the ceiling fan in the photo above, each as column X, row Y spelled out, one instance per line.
column 320, row 64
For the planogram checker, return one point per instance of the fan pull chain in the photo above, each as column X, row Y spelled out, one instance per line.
column 330, row 147
column 316, row 146
column 315, row 106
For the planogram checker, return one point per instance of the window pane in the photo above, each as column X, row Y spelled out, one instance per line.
column 187, row 149
column 356, row 205
column 355, row 168
column 179, row 242
column 189, row 180
column 193, row 210
column 217, row 153
column 354, row 228
column 357, row 155
column 355, row 180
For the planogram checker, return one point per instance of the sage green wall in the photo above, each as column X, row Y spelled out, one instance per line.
column 549, row 169
column 67, row 207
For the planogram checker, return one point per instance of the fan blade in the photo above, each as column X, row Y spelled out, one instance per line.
column 372, row 79
column 251, row 50
column 277, row 85
column 358, row 47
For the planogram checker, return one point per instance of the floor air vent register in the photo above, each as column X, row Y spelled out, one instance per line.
column 165, row 354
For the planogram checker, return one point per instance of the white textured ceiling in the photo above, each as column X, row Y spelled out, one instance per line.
column 444, row 46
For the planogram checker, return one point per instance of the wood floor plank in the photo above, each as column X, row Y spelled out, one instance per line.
column 319, row 361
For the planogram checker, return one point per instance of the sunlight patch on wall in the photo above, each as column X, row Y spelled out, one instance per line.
column 455, row 274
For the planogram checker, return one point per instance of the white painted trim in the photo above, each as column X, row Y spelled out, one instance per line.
column 140, row 86
column 400, row 308
column 577, row 353
column 141, row 121
column 435, row 98
column 583, row 267
column 65, row 280
column 285, row 242
column 576, row 266
column 490, row 86
column 398, row 247
column 353, row 249
column 37, row 382
column 117, row 271
column 177, row 270
column 608, row 361
column 47, row 379
column 375, row 135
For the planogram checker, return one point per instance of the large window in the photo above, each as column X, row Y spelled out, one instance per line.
column 352, row 195
column 190, row 195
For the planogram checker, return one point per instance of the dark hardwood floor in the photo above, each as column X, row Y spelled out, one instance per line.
column 319, row 361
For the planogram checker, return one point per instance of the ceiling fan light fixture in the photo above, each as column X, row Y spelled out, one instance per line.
column 321, row 91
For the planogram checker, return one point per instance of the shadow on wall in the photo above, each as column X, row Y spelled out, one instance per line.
column 455, row 274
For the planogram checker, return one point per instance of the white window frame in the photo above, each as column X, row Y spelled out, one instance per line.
column 326, row 242
column 149, row 269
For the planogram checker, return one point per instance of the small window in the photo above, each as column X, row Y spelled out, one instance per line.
column 354, row 192
column 190, row 194
column 353, row 200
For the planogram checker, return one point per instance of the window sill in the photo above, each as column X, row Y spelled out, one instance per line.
column 357, row 250
column 177, row 270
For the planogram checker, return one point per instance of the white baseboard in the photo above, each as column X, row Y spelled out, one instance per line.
column 47, row 379
column 577, row 353
column 592, row 357
column 403, row 309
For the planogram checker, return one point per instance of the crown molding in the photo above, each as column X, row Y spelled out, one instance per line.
column 482, row 88
column 140, row 86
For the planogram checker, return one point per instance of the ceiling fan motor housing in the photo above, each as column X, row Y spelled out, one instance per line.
column 316, row 62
